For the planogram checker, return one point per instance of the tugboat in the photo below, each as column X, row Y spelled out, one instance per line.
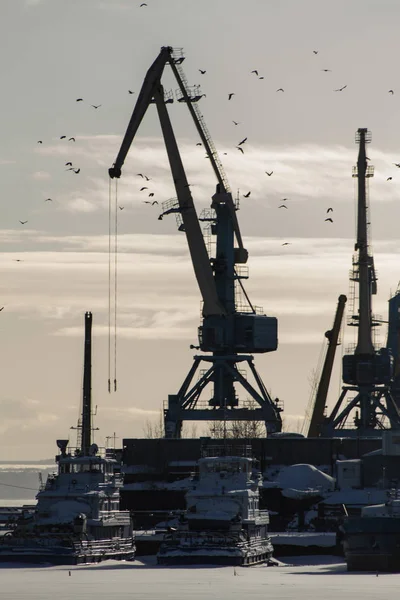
column 223, row 523
column 371, row 542
column 77, row 517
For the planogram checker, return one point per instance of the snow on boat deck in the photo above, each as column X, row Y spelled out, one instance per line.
column 308, row 578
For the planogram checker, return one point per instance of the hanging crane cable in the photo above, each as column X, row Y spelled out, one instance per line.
column 115, row 281
column 109, row 286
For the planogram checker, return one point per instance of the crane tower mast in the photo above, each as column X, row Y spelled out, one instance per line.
column 228, row 334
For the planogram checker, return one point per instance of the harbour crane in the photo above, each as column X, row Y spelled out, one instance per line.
column 229, row 331
column 368, row 372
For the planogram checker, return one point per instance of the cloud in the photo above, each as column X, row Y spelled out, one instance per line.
column 41, row 175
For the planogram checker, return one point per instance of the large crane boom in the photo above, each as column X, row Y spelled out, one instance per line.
column 332, row 336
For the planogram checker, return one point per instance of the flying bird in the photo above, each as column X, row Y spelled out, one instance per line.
column 68, row 164
column 154, row 202
column 236, row 122
column 315, row 51
column 391, row 92
column 199, row 144
column 49, row 200
column 143, row 188
column 121, row 207
column 140, row 175
column 341, row 89
column 286, row 244
column 130, row 92
column 146, row 202
column 329, row 219
column 230, row 95
column 255, row 71
column 23, row 222
column 147, row 178
column 1, row 308
column 18, row 260
column 242, row 142
column 269, row 173
column 143, row 4
column 280, row 90
column 76, row 171
column 71, row 139
column 282, row 206
column 329, row 210
column 327, row 70
column 397, row 165
column 95, row 105
column 261, row 77
column 151, row 194
column 241, row 149
column 79, row 100
column 39, row 142
column 389, row 179
column 246, row 195
column 202, row 72
column 62, row 137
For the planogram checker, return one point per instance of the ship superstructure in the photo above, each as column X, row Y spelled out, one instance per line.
column 223, row 523
column 77, row 517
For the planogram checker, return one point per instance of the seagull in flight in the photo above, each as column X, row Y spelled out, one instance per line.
column 151, row 194
column 39, row 142
column 143, row 4
column 242, row 142
column 121, row 207
column 79, row 100
column 130, row 92
column 95, row 105
column 202, row 72
column 389, row 179
column 1, row 308
column 397, row 165
column 280, row 90
column 269, row 173
column 341, row 89
column 329, row 210
column 49, row 200
column 71, row 139
column 329, row 219
column 282, row 206
column 391, row 92
column 23, row 222
column 230, row 95
column 241, row 149
column 68, row 164
column 154, row 202
column 236, row 122
column 199, row 144
column 255, row 71
column 76, row 171
column 143, row 188
column 246, row 195
column 315, row 51
column 326, row 70
column 62, row 137
column 286, row 244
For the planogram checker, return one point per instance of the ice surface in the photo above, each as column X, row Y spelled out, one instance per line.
column 300, row 578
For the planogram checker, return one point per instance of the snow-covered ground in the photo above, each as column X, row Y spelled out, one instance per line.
column 298, row 578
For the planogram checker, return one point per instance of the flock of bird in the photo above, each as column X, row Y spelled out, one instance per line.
column 76, row 170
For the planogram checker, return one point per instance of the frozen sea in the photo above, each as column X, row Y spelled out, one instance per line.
column 308, row 578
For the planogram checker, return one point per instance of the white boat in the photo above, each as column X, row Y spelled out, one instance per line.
column 77, row 517
column 223, row 523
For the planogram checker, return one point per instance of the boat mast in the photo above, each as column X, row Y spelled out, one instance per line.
column 87, row 388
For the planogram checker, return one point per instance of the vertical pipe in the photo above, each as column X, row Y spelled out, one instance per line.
column 87, row 387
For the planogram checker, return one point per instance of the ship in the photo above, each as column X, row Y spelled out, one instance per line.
column 223, row 523
column 77, row 517
column 371, row 541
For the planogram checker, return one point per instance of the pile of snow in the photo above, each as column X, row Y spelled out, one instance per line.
column 300, row 481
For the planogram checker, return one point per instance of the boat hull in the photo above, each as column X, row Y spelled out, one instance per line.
column 35, row 552
column 372, row 544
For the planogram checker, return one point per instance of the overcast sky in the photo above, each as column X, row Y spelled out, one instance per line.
column 55, row 267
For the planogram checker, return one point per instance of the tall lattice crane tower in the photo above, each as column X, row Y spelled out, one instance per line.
column 368, row 372
column 231, row 331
